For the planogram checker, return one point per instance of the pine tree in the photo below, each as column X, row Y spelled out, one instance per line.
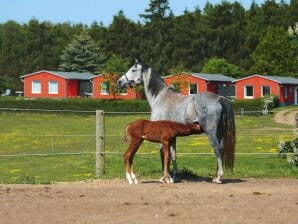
column 155, row 34
column 82, row 55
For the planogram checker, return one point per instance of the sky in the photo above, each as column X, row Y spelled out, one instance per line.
column 88, row 11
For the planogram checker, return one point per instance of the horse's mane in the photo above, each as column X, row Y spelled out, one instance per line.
column 156, row 83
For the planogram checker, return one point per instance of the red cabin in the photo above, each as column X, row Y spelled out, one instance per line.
column 256, row 86
column 55, row 84
column 191, row 83
column 103, row 90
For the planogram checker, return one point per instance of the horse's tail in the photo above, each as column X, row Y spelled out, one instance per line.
column 126, row 134
column 229, row 133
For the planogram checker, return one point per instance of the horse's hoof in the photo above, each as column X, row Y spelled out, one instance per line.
column 217, row 180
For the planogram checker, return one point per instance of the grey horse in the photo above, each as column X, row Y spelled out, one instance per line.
column 213, row 112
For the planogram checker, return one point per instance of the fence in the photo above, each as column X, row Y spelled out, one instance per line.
column 77, row 135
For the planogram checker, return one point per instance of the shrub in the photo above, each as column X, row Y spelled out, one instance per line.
column 289, row 150
column 269, row 102
column 80, row 104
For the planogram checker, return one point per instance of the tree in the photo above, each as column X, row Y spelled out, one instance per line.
column 112, row 69
column 122, row 37
column 275, row 55
column 155, row 34
column 82, row 55
column 220, row 65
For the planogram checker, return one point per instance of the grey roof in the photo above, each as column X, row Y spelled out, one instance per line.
column 214, row 77
column 278, row 79
column 283, row 80
column 66, row 75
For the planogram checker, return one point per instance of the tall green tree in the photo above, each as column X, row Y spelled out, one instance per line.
column 275, row 55
column 155, row 34
column 82, row 55
column 122, row 37
column 220, row 65
column 12, row 54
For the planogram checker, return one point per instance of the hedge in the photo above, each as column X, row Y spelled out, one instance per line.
column 88, row 104
column 80, row 104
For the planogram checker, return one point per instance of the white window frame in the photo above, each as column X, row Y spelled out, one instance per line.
column 123, row 93
column 36, row 86
column 248, row 97
column 106, row 92
column 197, row 88
column 262, row 90
column 55, row 91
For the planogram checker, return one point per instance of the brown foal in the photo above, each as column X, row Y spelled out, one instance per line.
column 163, row 132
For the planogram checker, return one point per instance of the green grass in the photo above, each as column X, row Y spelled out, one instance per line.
column 36, row 133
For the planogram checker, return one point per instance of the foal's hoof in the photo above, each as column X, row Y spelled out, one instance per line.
column 217, row 180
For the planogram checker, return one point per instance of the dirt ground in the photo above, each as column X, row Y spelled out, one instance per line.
column 193, row 201
column 286, row 116
column 114, row 201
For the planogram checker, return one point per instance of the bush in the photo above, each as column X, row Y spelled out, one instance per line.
column 247, row 105
column 289, row 150
column 269, row 102
column 80, row 104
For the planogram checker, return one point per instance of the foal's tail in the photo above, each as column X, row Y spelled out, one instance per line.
column 126, row 134
column 229, row 133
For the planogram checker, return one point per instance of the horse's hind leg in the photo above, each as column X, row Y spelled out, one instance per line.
column 173, row 158
column 218, row 152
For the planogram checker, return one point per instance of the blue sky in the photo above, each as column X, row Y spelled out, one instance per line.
column 88, row 11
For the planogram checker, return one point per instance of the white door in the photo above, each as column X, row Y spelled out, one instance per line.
column 296, row 96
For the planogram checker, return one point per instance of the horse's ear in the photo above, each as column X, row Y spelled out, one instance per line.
column 137, row 61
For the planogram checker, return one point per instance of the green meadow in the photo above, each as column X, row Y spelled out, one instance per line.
column 46, row 148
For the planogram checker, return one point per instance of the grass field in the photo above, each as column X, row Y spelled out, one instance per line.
column 44, row 134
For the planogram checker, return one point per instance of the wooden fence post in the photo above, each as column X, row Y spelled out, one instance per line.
column 100, row 168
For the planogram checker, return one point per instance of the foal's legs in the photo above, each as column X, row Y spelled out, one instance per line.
column 166, row 177
column 128, row 159
column 172, row 151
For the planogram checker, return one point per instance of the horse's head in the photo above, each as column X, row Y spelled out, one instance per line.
column 132, row 77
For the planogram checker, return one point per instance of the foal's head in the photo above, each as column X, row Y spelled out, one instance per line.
column 195, row 128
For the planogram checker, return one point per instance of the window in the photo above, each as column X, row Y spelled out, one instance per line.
column 36, row 87
column 286, row 91
column 104, row 88
column 248, row 92
column 122, row 91
column 193, row 88
column 266, row 90
column 53, row 87
column 176, row 87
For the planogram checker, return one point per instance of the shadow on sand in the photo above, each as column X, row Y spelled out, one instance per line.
column 187, row 175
